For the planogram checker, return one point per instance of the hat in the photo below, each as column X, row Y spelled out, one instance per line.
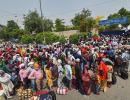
column 30, row 63
column 21, row 65
column 59, row 61
column 36, row 65
column 77, row 60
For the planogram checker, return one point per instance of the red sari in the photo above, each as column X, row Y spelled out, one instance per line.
column 86, row 82
column 103, row 67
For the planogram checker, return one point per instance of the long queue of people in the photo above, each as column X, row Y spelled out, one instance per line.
column 88, row 67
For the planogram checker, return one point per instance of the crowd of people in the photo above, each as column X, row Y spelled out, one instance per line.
column 89, row 66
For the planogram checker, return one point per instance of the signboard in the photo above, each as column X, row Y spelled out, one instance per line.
column 122, row 20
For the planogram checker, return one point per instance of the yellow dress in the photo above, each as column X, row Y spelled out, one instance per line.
column 49, row 77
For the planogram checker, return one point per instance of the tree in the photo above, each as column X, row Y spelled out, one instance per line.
column 121, row 13
column 3, row 34
column 48, row 25
column 83, row 21
column 74, row 38
column 90, row 24
column 17, row 34
column 33, row 22
column 62, row 39
column 11, row 26
column 27, row 38
column 59, row 25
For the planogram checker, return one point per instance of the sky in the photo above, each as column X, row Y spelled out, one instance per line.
column 52, row 9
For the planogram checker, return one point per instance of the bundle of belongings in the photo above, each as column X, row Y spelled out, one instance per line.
column 24, row 93
column 43, row 95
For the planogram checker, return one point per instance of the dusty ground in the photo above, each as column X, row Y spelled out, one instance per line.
column 120, row 91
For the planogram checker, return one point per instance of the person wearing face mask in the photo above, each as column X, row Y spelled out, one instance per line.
column 36, row 77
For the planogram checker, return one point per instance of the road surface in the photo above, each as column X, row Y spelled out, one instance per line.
column 120, row 91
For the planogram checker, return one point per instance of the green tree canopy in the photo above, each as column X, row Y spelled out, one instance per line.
column 59, row 25
column 11, row 26
column 33, row 22
column 48, row 25
column 74, row 38
column 121, row 13
column 83, row 21
column 27, row 38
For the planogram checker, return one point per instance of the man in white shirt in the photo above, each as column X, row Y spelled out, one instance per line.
column 68, row 75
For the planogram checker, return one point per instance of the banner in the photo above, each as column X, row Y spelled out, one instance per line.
column 122, row 20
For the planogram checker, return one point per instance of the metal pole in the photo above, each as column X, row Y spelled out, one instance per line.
column 41, row 14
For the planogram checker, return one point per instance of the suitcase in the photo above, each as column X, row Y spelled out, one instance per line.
column 124, row 75
column 62, row 91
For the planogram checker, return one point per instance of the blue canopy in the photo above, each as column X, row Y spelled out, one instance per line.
column 114, row 32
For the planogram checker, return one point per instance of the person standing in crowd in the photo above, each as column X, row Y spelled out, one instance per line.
column 68, row 75
column 103, row 70
column 60, row 72
column 86, row 81
column 23, row 73
column 97, row 82
column 7, row 85
column 36, row 77
column 78, row 74
column 49, row 76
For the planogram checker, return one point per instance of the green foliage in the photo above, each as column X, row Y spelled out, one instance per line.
column 83, row 21
column 121, row 13
column 62, row 39
column 48, row 25
column 26, row 38
column 33, row 22
column 59, row 25
column 3, row 34
column 95, row 35
column 11, row 26
column 102, row 28
column 17, row 34
column 49, row 38
column 90, row 24
column 73, row 39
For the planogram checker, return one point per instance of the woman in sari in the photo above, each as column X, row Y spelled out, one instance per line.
column 48, row 76
column 86, row 81
column 103, row 70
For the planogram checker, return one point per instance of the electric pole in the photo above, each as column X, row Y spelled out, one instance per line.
column 41, row 14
